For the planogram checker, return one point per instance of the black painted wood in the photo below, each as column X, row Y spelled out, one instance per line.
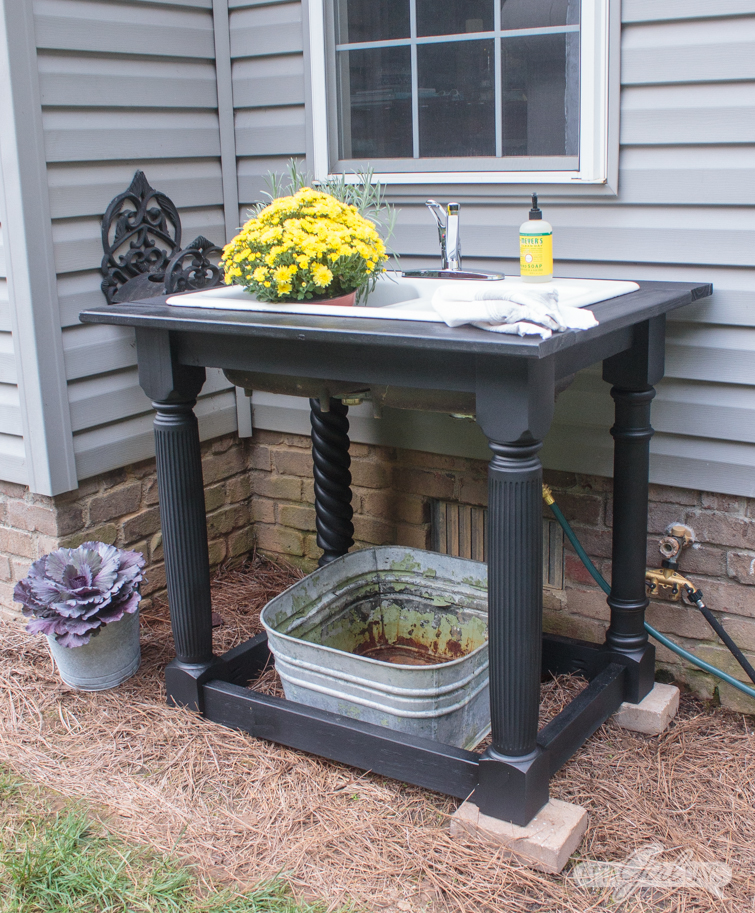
column 422, row 762
column 568, row 656
column 568, row 731
column 249, row 660
column 184, row 529
column 331, row 461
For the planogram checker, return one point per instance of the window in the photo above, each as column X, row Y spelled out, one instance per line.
column 461, row 90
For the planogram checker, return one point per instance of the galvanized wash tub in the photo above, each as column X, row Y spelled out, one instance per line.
column 425, row 614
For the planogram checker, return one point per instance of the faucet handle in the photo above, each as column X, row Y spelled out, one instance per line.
column 453, row 237
column 440, row 217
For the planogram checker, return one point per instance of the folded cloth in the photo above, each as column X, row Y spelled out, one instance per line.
column 508, row 309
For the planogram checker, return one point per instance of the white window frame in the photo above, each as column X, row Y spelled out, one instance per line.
column 594, row 111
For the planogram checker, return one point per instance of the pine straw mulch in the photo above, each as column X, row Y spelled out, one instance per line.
column 242, row 810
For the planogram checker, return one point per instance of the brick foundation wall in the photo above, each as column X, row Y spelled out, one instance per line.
column 260, row 492
column 121, row 508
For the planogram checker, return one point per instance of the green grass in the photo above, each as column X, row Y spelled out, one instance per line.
column 65, row 861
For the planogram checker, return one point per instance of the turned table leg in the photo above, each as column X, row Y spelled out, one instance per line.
column 331, row 460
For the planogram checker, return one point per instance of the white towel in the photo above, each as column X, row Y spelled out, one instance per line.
column 508, row 308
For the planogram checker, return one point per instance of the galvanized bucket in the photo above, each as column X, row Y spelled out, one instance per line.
column 108, row 659
column 426, row 613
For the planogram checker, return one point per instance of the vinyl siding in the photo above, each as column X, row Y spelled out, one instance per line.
column 684, row 210
column 12, row 454
column 124, row 86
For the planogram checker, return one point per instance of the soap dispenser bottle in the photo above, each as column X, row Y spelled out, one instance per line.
column 536, row 247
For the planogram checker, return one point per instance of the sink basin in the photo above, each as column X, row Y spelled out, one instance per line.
column 395, row 297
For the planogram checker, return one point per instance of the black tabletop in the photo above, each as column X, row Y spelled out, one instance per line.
column 651, row 300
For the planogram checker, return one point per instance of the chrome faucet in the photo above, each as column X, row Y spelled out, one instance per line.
column 450, row 248
column 448, row 234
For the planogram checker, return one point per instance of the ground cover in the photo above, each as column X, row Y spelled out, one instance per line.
column 242, row 811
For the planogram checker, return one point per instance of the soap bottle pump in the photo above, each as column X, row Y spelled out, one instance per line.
column 536, row 247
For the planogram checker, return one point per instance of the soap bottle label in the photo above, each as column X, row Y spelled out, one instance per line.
column 536, row 254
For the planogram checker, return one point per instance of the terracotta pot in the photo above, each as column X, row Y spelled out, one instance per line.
column 341, row 300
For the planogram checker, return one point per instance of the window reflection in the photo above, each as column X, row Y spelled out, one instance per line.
column 456, row 98
column 376, row 103
column 531, row 14
column 371, row 20
column 541, row 95
column 454, row 17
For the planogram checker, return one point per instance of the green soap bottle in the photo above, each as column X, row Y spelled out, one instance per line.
column 536, row 247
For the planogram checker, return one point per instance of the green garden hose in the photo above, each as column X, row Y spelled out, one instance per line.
column 600, row 580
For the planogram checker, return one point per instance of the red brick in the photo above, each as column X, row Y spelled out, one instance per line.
column 370, row 474
column 729, row 504
column 217, row 466
column 116, row 503
column 156, row 580
column 241, row 542
column 282, row 488
column 238, row 489
column 156, row 548
column 730, row 597
column 413, row 536
column 581, row 508
column 430, row 484
column 308, row 491
column 572, row 626
column 279, row 539
column 596, row 542
column 262, row 511
column 296, row 517
column 5, row 572
column 293, row 462
column 31, row 517
column 12, row 490
column 143, row 469
column 311, row 549
column 358, row 450
column 435, row 461
column 474, row 491
column 559, row 480
column 411, row 510
column 741, row 630
column 113, row 478
column 587, row 601
column 594, row 483
column 677, row 620
column 661, row 516
column 13, row 542
column 143, row 524
column 741, row 566
column 669, row 495
column 376, row 503
column 702, row 559
column 575, row 571
column 149, row 489
column 721, row 529
column 374, row 531
column 297, row 440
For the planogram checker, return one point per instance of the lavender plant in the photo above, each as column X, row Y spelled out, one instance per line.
column 72, row 592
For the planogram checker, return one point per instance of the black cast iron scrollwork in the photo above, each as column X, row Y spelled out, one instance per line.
column 330, row 455
column 199, row 273
column 146, row 223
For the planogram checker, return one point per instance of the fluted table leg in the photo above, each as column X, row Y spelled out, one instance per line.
column 330, row 456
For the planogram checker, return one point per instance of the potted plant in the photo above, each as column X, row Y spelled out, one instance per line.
column 306, row 246
column 86, row 601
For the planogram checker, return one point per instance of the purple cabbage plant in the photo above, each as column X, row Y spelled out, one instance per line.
column 72, row 592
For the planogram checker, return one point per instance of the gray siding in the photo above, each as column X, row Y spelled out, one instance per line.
column 268, row 91
column 12, row 456
column 124, row 86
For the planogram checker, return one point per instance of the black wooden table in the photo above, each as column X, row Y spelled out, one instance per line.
column 513, row 381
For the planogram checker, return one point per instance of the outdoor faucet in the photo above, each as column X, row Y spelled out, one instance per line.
column 450, row 248
column 448, row 234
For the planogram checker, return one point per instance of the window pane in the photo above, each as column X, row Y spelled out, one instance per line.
column 532, row 14
column 371, row 20
column 376, row 108
column 454, row 17
column 456, row 98
column 541, row 94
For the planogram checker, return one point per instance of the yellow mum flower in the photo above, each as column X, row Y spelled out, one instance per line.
column 321, row 275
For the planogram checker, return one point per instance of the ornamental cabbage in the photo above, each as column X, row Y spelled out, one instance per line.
column 72, row 592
